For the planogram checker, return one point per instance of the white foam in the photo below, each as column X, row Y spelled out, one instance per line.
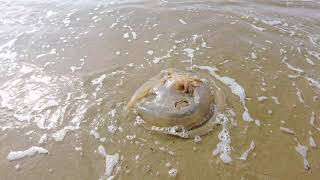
column 168, row 165
column 204, row 44
column 112, row 128
column 287, row 130
column 75, row 68
column 272, row 22
column 173, row 172
column 150, row 52
column 16, row 155
column 299, row 94
column 197, row 139
column 138, row 121
column 59, row 135
column 182, row 21
column 26, row 69
column 156, row 38
column 3, row 128
column 310, row 61
column 113, row 25
column 257, row 28
column 315, row 98
column 43, row 139
column 52, row 51
column 313, row 82
column 102, row 151
column 314, row 54
column 29, row 132
column 131, row 64
column 125, row 35
column 99, row 80
column 267, row 41
column 79, row 148
column 275, row 99
column 233, row 85
column 50, row 13
column 223, row 148
column 312, row 121
column 190, row 54
column 282, row 51
column 95, row 134
column 118, row 72
column 177, row 131
column 262, row 98
column 111, row 161
column 156, row 60
column 258, row 123
column 246, row 153
column 312, row 142
column 253, row 55
column 9, row 44
column 131, row 137
column 298, row 70
column 302, row 150
column 134, row 35
column 112, row 113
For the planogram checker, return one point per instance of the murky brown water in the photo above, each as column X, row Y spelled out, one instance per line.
column 69, row 67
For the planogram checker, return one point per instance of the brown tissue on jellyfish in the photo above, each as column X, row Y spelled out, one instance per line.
column 174, row 98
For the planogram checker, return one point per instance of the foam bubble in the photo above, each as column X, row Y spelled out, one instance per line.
column 173, row 172
column 275, row 99
column 197, row 139
column 112, row 128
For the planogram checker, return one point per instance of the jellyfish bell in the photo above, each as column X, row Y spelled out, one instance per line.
column 178, row 103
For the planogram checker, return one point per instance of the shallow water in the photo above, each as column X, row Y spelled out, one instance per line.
column 69, row 67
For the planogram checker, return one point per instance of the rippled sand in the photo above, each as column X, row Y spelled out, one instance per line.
column 68, row 68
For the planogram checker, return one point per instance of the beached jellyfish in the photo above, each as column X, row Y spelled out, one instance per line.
column 178, row 103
